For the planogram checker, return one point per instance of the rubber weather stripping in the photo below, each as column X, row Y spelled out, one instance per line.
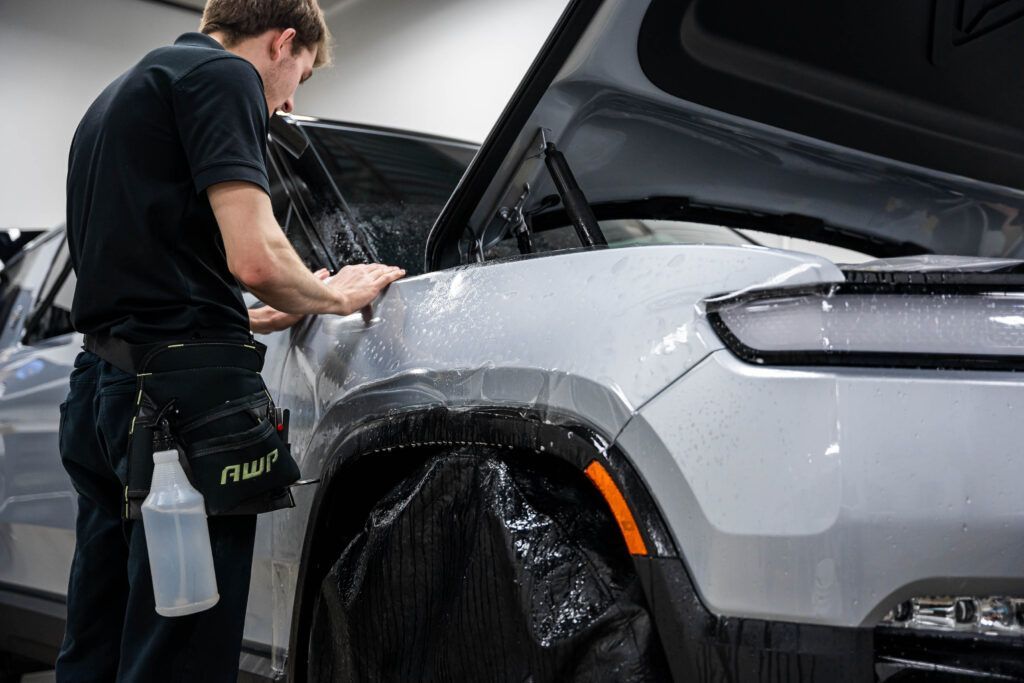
column 876, row 359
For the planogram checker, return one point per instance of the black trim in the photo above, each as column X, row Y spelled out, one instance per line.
column 810, row 357
column 947, row 657
column 442, row 243
column 34, row 593
column 303, row 120
column 703, row 647
column 32, row 626
column 1011, row 276
column 31, row 622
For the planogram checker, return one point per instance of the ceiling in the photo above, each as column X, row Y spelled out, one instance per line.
column 328, row 6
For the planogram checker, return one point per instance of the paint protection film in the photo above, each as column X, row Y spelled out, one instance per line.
column 472, row 569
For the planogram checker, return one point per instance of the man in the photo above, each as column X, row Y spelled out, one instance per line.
column 168, row 209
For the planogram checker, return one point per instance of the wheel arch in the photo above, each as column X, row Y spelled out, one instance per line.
column 353, row 479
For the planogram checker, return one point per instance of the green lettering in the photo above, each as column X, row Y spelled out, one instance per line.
column 252, row 469
column 229, row 471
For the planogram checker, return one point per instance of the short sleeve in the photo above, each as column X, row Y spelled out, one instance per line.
column 221, row 113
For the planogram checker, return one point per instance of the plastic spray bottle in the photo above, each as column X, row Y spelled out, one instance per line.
column 177, row 537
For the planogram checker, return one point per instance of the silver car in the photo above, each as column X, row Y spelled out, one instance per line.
column 709, row 369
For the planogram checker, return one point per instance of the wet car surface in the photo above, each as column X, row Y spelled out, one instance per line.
column 794, row 351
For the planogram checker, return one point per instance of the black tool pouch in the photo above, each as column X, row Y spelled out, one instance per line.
column 212, row 398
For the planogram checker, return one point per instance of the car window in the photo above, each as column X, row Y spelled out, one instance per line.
column 20, row 280
column 288, row 215
column 392, row 188
column 51, row 316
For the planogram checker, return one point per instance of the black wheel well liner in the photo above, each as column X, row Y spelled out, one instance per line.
column 353, row 470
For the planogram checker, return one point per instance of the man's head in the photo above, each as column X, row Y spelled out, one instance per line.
column 284, row 39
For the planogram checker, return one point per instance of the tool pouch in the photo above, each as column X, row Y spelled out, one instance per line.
column 211, row 397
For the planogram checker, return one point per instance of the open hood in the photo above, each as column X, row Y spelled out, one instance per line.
column 888, row 123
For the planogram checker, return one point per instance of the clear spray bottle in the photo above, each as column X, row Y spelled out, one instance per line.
column 177, row 536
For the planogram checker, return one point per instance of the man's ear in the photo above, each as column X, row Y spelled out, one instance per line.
column 282, row 41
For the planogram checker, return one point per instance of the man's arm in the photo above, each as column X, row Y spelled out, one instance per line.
column 267, row 319
column 260, row 256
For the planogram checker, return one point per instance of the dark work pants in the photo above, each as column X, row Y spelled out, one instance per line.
column 113, row 632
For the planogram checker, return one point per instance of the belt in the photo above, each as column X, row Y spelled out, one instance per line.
column 122, row 355
column 132, row 358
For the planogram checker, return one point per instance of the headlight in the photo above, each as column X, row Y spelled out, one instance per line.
column 936, row 326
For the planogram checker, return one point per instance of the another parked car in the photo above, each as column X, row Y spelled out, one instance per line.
column 710, row 369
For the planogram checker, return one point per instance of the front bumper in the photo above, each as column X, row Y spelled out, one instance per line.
column 829, row 496
column 703, row 647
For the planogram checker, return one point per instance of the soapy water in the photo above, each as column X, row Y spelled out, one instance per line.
column 392, row 233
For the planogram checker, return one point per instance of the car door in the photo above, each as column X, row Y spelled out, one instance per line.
column 365, row 195
column 350, row 194
column 37, row 508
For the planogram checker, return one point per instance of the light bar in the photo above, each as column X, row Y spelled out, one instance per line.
column 987, row 616
column 952, row 326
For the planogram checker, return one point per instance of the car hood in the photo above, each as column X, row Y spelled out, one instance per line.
column 898, row 121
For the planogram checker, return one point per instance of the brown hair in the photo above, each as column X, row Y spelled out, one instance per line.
column 241, row 19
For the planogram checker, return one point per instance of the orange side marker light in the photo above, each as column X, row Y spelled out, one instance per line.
column 623, row 515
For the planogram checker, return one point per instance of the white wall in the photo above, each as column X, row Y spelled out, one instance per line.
column 55, row 58
column 440, row 66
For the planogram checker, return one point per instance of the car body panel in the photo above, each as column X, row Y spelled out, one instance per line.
column 486, row 336
column 37, row 508
column 830, row 495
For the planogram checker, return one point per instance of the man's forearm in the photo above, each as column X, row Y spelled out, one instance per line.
column 286, row 284
column 260, row 256
column 265, row 320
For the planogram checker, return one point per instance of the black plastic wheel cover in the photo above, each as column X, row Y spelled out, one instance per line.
column 474, row 570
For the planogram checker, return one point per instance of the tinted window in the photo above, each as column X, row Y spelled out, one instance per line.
column 288, row 215
column 393, row 188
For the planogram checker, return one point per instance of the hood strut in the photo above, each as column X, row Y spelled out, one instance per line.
column 573, row 199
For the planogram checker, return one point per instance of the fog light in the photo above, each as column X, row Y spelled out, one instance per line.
column 988, row 615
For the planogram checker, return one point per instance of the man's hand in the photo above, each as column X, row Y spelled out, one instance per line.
column 267, row 319
column 360, row 285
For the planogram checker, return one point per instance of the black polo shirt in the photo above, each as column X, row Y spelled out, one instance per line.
column 144, row 242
